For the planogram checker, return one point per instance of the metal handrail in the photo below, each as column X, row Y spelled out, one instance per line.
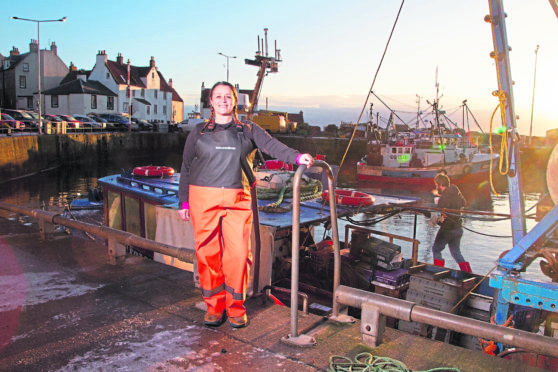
column 411, row 312
column 294, row 338
column 123, row 237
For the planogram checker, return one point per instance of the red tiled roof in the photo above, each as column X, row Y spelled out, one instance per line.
column 119, row 73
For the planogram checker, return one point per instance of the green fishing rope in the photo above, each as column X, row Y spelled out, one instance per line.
column 366, row 362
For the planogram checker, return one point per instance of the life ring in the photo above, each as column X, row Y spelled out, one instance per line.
column 153, row 171
column 467, row 169
column 350, row 197
column 278, row 165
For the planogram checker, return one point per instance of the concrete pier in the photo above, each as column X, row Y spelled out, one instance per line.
column 63, row 307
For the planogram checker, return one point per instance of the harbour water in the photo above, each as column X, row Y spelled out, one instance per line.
column 484, row 239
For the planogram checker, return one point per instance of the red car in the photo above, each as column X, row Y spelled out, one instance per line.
column 7, row 121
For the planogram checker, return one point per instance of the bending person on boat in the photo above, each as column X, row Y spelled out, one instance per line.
column 214, row 191
column 451, row 230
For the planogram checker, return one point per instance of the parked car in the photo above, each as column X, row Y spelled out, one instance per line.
column 52, row 118
column 143, row 124
column 88, row 122
column 29, row 121
column 188, row 124
column 119, row 121
column 106, row 125
column 7, row 122
column 72, row 122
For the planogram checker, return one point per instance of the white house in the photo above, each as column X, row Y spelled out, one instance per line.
column 150, row 95
column 104, row 90
column 19, row 76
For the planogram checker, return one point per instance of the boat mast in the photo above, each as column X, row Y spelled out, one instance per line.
column 497, row 20
column 266, row 65
column 418, row 110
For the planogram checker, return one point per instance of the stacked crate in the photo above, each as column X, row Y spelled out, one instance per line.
column 476, row 306
column 435, row 290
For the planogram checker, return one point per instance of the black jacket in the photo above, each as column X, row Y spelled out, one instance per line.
column 452, row 198
column 212, row 157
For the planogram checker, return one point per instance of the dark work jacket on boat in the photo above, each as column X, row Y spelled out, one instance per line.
column 212, row 157
column 451, row 198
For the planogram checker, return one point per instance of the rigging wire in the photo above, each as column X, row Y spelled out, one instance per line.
column 369, row 91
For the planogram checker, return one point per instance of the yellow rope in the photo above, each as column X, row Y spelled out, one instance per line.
column 504, row 150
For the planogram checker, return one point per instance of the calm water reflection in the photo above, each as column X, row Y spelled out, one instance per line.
column 483, row 241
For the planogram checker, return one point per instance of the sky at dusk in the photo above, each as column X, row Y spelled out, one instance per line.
column 330, row 50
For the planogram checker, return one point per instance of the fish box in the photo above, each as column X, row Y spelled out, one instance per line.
column 431, row 302
column 395, row 277
column 448, row 288
column 390, row 290
column 477, row 306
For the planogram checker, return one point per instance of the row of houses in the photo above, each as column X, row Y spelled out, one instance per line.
column 109, row 87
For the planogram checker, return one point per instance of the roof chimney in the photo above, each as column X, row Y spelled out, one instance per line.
column 101, row 57
column 119, row 59
column 14, row 51
column 33, row 46
column 152, row 62
column 170, row 83
column 73, row 67
column 54, row 48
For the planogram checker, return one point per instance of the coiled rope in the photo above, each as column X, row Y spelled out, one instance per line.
column 311, row 190
column 366, row 362
column 504, row 151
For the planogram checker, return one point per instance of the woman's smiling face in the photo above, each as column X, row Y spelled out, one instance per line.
column 222, row 100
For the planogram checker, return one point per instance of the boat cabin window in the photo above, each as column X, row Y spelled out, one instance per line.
column 115, row 210
column 133, row 223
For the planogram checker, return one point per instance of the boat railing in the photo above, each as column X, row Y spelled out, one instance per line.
column 161, row 188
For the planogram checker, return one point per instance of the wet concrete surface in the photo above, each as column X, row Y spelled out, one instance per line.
column 63, row 307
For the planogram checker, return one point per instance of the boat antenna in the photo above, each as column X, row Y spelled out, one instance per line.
column 533, row 99
column 418, row 110
column 370, row 90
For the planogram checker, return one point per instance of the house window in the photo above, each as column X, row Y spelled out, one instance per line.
column 25, row 67
column 133, row 93
column 164, row 110
column 22, row 81
column 148, row 110
column 30, row 103
column 155, row 110
column 156, row 94
column 108, row 76
column 93, row 101
column 110, row 103
column 125, row 107
column 54, row 101
column 152, row 75
column 142, row 92
column 164, row 95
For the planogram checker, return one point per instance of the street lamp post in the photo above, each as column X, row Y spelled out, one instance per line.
column 38, row 22
column 129, row 94
column 227, row 57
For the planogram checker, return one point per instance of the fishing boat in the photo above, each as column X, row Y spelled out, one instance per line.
column 416, row 158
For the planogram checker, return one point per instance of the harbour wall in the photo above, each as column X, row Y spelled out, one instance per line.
column 21, row 156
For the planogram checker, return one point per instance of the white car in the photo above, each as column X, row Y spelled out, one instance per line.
column 188, row 124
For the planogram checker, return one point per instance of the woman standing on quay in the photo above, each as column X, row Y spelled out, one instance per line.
column 214, row 191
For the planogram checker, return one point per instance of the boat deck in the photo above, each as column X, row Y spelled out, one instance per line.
column 67, row 308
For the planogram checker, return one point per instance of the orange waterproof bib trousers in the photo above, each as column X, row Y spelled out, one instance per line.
column 222, row 221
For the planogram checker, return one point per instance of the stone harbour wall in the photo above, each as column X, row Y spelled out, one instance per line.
column 22, row 156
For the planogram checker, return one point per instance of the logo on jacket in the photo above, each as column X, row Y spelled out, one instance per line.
column 225, row 148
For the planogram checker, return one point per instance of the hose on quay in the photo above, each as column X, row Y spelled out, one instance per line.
column 366, row 362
